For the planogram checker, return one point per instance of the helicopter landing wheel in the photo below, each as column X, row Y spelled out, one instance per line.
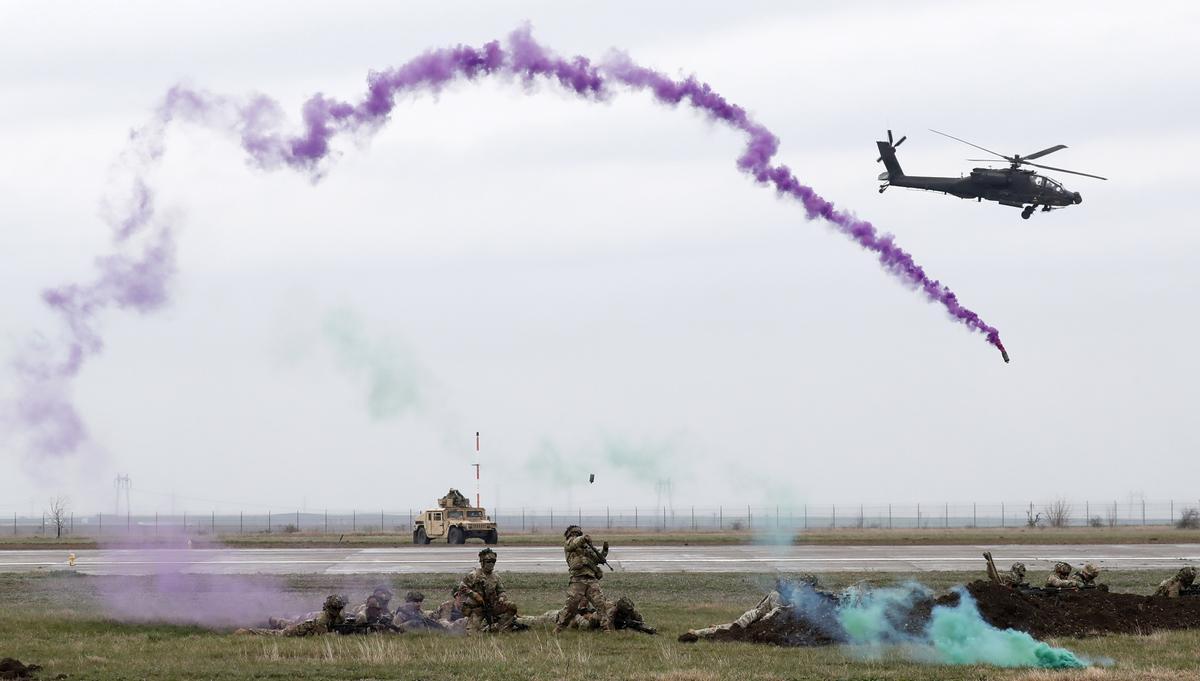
column 1027, row 212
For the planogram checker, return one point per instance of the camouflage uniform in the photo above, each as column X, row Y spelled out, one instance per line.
column 768, row 608
column 1014, row 578
column 482, row 592
column 1060, row 578
column 1172, row 587
column 322, row 623
column 626, row 616
column 410, row 617
column 583, row 587
column 1086, row 576
column 772, row 606
column 375, row 610
column 584, row 620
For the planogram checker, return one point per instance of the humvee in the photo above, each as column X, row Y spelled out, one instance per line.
column 456, row 520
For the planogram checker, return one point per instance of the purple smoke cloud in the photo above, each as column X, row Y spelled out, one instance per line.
column 140, row 282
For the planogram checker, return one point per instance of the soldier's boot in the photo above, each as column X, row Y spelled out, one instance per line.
column 688, row 636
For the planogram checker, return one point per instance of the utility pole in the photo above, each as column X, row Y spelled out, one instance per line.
column 476, row 464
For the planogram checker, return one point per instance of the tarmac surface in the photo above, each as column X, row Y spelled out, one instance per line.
column 676, row 558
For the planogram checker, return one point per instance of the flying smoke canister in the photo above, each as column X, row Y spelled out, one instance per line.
column 1004, row 354
column 591, row 477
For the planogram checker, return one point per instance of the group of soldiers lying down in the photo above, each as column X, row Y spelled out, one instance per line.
column 478, row 604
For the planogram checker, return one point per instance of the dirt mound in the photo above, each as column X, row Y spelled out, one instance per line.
column 13, row 669
column 1079, row 613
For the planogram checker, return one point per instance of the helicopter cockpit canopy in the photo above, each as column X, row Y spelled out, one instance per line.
column 1049, row 183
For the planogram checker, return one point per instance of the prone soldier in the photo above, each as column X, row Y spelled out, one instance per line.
column 410, row 617
column 376, row 607
column 583, row 586
column 1014, row 578
column 771, row 606
column 329, row 619
column 1086, row 576
column 1179, row 585
column 484, row 603
column 1060, row 577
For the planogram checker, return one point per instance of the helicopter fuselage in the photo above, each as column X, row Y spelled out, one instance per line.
column 1007, row 186
column 1013, row 186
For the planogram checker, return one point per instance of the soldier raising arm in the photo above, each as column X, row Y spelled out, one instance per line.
column 583, row 587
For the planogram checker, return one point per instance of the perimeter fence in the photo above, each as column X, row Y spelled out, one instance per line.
column 531, row 519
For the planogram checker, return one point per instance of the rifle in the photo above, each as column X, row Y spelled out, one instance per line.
column 351, row 625
column 1193, row 590
column 599, row 557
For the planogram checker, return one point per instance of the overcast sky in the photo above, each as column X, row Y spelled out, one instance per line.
column 595, row 287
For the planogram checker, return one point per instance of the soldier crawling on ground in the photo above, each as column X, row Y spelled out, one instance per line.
column 327, row 620
column 1060, row 577
column 583, row 586
column 484, row 603
column 625, row 616
column 772, row 606
column 1014, row 578
column 1178, row 585
column 410, row 617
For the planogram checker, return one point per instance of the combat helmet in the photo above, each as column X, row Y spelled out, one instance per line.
column 487, row 554
column 334, row 602
column 1089, row 571
column 1018, row 569
column 1062, row 568
column 383, row 593
column 1186, row 574
column 414, row 597
column 572, row 529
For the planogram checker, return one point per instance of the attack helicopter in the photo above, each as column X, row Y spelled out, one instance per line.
column 1011, row 186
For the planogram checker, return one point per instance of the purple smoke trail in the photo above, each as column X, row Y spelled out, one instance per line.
column 140, row 283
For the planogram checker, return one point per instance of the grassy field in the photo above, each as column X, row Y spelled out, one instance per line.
column 55, row 621
column 825, row 537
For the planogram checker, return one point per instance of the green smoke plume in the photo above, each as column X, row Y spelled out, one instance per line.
column 955, row 635
column 392, row 379
column 959, row 635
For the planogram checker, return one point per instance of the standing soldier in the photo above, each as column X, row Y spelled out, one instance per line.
column 1175, row 586
column 484, row 603
column 583, row 588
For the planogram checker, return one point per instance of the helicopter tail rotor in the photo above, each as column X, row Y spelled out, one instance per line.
column 892, row 144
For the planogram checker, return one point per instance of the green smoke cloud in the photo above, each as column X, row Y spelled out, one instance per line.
column 548, row 463
column 387, row 371
column 955, row 635
column 959, row 635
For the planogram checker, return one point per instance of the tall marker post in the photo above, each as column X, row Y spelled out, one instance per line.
column 476, row 464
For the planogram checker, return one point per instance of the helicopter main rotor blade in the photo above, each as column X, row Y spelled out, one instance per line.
column 973, row 145
column 1043, row 152
column 1064, row 170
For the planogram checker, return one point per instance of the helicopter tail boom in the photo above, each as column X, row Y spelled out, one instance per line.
column 887, row 153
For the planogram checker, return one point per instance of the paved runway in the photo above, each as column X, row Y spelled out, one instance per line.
column 454, row 559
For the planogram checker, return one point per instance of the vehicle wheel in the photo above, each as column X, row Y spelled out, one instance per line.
column 455, row 536
column 1027, row 212
column 419, row 537
column 492, row 537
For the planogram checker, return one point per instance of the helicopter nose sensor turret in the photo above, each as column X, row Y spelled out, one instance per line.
column 1078, row 198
